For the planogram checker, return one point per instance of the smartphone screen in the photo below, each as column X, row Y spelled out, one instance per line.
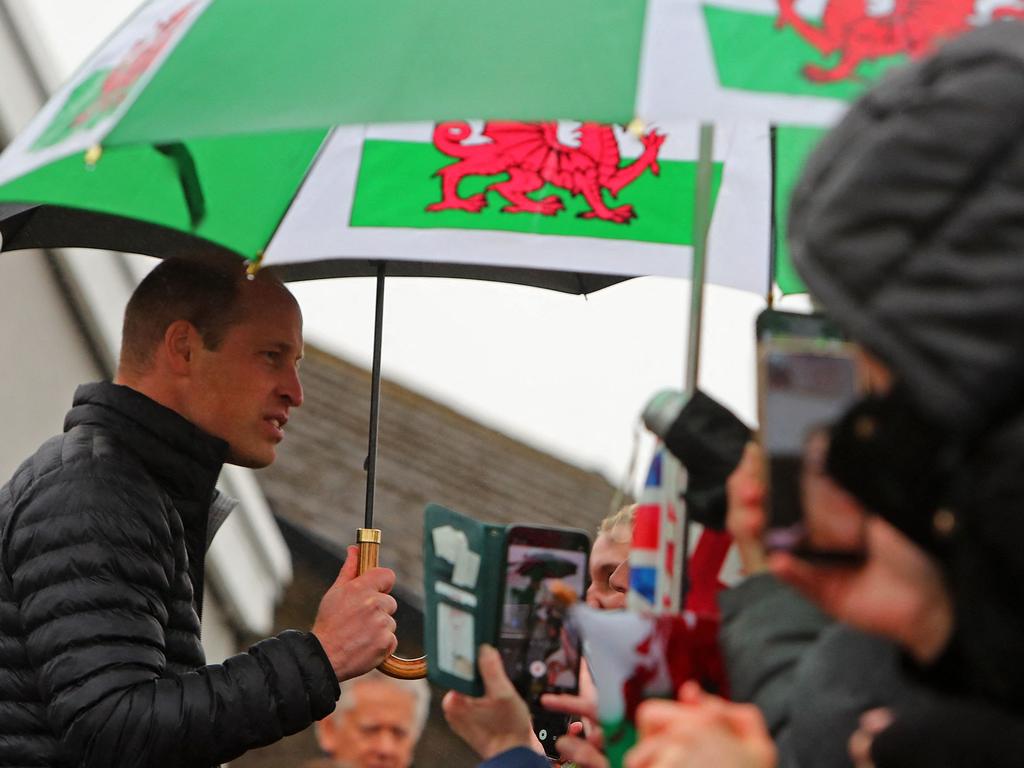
column 545, row 572
column 808, row 378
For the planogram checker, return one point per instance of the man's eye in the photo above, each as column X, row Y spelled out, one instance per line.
column 272, row 355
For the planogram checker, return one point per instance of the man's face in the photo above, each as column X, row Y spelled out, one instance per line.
column 609, row 571
column 242, row 391
column 376, row 732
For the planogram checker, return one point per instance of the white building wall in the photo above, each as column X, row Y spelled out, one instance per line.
column 43, row 356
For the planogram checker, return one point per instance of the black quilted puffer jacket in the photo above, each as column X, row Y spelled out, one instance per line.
column 101, row 580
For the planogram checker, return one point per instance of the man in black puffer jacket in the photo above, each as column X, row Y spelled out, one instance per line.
column 104, row 532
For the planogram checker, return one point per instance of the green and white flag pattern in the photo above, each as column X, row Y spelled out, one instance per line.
column 375, row 192
column 216, row 119
column 88, row 107
column 790, row 61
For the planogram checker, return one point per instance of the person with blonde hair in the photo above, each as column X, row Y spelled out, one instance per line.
column 609, row 560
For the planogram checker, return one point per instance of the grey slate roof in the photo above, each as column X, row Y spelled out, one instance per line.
column 427, row 452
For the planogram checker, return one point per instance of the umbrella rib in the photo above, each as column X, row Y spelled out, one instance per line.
column 298, row 191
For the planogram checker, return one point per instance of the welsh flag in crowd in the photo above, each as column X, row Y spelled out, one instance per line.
column 634, row 656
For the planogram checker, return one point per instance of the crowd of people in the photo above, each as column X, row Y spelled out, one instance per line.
column 907, row 231
column 908, row 228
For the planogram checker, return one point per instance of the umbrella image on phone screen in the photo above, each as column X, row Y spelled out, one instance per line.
column 536, row 641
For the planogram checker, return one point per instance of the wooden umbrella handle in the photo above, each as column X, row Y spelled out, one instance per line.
column 368, row 540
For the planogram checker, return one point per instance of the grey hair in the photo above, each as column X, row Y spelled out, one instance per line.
column 418, row 689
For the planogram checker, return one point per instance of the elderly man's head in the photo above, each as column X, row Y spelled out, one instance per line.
column 377, row 722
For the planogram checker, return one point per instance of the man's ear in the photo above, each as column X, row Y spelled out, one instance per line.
column 179, row 345
column 327, row 734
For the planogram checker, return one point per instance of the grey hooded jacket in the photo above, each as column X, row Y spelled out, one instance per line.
column 908, row 226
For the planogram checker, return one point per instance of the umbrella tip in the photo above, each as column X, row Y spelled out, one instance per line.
column 93, row 155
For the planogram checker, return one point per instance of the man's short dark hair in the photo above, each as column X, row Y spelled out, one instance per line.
column 178, row 289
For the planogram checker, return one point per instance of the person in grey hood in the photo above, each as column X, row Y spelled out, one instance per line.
column 908, row 227
column 103, row 533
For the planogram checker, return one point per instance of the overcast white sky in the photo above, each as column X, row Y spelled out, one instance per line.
column 564, row 373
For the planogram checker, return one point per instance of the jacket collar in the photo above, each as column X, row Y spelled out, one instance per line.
column 185, row 459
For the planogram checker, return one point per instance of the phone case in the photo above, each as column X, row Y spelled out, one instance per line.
column 462, row 581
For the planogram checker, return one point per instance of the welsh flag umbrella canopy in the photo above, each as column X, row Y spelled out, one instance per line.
column 206, row 119
column 218, row 121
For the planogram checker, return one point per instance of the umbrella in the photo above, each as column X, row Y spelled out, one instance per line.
column 200, row 124
column 544, row 565
column 206, row 119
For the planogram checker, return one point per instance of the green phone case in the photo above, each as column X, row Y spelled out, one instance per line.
column 462, row 582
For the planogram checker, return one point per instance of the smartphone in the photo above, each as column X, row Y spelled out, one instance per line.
column 545, row 572
column 807, row 379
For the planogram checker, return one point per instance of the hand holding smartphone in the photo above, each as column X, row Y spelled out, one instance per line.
column 545, row 572
column 807, row 378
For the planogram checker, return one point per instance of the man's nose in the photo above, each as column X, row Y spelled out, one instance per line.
column 385, row 742
column 291, row 387
column 619, row 580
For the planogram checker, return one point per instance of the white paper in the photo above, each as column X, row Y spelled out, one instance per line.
column 455, row 594
column 456, row 652
column 467, row 568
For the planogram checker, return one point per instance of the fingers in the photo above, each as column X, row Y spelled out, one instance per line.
column 380, row 579
column 496, row 682
column 747, row 720
column 452, row 703
column 569, row 704
column 797, row 573
column 350, row 568
column 392, row 646
column 745, row 491
column 690, row 692
column 387, row 603
column 656, row 752
column 872, row 722
column 655, row 715
column 573, row 749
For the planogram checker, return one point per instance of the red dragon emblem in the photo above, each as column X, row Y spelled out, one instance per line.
column 913, row 27
column 118, row 83
column 532, row 155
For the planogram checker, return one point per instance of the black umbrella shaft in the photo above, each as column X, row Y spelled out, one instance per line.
column 371, row 452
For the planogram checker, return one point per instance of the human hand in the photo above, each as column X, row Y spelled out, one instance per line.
column 580, row 751
column 872, row 723
column 833, row 519
column 582, row 705
column 584, row 743
column 745, row 516
column 700, row 730
column 497, row 721
column 898, row 592
column 355, row 623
